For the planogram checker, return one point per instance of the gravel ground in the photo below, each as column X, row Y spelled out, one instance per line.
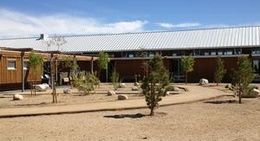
column 218, row 119
column 221, row 119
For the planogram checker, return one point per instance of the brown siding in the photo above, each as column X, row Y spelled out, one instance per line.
column 11, row 79
column 205, row 68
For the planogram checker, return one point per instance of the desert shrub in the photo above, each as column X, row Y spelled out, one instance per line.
column 115, row 79
column 86, row 85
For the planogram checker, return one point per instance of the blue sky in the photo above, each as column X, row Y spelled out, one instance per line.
column 25, row 18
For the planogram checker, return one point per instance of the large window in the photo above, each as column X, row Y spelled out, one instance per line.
column 11, row 64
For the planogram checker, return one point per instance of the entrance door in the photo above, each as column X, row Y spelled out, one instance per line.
column 177, row 73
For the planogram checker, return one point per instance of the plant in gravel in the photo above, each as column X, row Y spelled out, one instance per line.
column 219, row 70
column 242, row 77
column 155, row 83
column 35, row 64
column 187, row 63
column 103, row 60
column 115, row 79
column 86, row 85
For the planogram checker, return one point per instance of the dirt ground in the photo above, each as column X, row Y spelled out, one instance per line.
column 220, row 119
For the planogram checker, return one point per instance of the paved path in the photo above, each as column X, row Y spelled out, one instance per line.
column 195, row 93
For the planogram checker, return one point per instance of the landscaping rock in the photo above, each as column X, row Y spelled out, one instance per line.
column 203, row 81
column 255, row 92
column 122, row 97
column 67, row 91
column 122, row 85
column 42, row 87
column 135, row 88
column 111, row 92
column 17, row 97
column 175, row 89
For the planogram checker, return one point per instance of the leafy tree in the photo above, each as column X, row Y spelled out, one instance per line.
column 242, row 76
column 155, row 83
column 103, row 60
column 219, row 70
column 187, row 63
column 35, row 63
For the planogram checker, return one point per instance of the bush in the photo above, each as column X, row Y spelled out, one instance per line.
column 86, row 85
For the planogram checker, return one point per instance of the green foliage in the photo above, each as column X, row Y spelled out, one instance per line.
column 141, row 53
column 94, row 79
column 35, row 61
column 86, row 85
column 187, row 63
column 115, row 79
column 242, row 76
column 103, row 60
column 68, row 62
column 154, row 84
column 219, row 70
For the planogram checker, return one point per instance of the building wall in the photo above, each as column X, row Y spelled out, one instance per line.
column 12, row 78
column 205, row 68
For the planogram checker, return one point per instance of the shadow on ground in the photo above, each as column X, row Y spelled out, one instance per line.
column 221, row 101
column 138, row 115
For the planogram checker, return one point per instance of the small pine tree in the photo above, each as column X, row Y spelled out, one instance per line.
column 187, row 63
column 219, row 70
column 155, row 83
column 242, row 76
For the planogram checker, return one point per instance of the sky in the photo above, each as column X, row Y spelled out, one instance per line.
column 30, row 18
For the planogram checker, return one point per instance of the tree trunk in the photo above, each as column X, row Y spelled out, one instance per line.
column 152, row 111
column 152, row 106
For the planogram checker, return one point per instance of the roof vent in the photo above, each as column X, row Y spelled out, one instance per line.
column 43, row 37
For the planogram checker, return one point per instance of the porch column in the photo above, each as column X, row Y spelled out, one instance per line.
column 22, row 70
column 92, row 64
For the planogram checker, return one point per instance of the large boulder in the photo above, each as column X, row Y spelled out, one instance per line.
column 42, row 87
column 121, row 85
column 17, row 97
column 122, row 97
column 255, row 93
column 67, row 91
column 203, row 81
column 251, row 94
column 135, row 88
column 111, row 92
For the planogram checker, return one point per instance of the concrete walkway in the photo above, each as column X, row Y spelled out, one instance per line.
column 195, row 93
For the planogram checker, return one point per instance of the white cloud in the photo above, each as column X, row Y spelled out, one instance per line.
column 14, row 24
column 181, row 25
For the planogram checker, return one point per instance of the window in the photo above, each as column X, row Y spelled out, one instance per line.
column 25, row 65
column 11, row 64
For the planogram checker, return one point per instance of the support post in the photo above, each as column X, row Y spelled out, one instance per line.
column 22, row 70
column 92, row 62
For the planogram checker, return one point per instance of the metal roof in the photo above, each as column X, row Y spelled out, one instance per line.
column 231, row 37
